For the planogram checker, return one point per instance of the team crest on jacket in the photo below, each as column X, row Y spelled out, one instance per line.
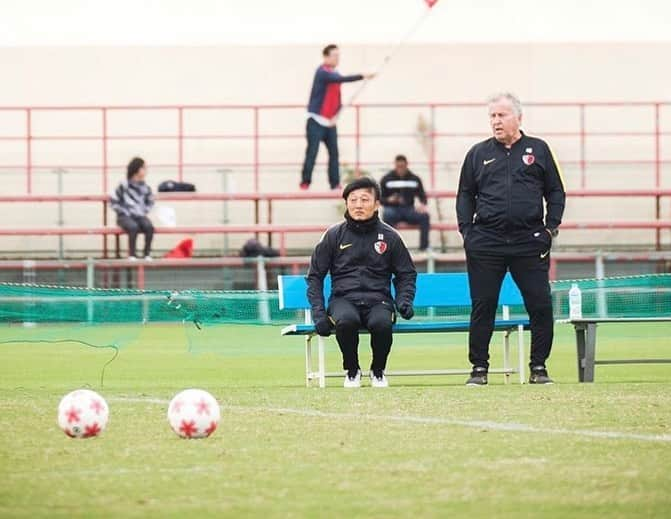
column 380, row 247
column 528, row 159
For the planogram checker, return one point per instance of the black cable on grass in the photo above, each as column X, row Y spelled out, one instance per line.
column 102, row 371
column 61, row 341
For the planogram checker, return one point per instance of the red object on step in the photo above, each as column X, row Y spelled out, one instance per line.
column 184, row 249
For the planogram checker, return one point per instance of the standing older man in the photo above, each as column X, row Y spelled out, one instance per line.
column 503, row 183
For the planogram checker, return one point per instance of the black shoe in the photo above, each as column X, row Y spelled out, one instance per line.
column 353, row 373
column 539, row 375
column 377, row 373
column 478, row 377
column 352, row 379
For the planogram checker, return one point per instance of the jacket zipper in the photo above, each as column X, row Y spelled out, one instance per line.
column 509, row 186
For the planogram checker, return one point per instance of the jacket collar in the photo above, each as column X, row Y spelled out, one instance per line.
column 362, row 226
column 517, row 143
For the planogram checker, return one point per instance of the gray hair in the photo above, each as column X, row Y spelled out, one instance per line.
column 514, row 100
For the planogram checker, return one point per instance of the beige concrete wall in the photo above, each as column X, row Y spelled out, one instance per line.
column 81, row 76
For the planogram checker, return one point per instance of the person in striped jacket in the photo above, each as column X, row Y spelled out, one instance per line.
column 132, row 200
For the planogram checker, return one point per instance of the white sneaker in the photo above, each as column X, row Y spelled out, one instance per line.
column 378, row 381
column 353, row 382
column 148, row 258
column 132, row 258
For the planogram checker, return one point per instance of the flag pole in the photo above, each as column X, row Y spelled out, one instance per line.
column 393, row 50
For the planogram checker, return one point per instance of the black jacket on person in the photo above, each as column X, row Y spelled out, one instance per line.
column 501, row 193
column 362, row 257
column 408, row 186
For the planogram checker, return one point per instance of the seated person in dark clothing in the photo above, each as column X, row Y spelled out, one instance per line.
column 363, row 256
column 132, row 200
column 400, row 187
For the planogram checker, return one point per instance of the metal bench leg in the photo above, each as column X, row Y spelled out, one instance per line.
column 322, row 363
column 308, row 360
column 506, row 356
column 580, row 349
column 590, row 352
column 585, row 340
column 520, row 354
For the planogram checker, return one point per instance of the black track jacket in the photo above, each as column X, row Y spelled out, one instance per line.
column 501, row 193
column 361, row 257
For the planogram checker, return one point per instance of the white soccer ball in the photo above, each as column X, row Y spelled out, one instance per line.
column 83, row 414
column 194, row 413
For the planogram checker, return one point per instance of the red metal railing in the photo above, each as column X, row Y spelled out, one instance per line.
column 282, row 230
column 179, row 136
column 655, row 114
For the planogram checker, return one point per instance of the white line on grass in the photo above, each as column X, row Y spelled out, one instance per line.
column 430, row 420
column 104, row 471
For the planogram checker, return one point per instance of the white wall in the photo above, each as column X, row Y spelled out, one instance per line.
column 281, row 74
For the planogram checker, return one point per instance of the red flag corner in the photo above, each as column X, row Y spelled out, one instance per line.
column 430, row 3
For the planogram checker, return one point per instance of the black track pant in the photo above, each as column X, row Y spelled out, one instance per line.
column 349, row 317
column 485, row 276
column 316, row 134
column 393, row 215
column 134, row 225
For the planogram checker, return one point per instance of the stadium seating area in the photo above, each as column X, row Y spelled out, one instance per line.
column 61, row 163
column 64, row 168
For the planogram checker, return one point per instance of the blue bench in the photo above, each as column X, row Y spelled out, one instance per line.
column 433, row 290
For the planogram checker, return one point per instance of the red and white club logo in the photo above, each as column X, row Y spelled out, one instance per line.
column 528, row 159
column 380, row 247
column 194, row 413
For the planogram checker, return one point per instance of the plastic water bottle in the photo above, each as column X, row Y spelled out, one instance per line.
column 574, row 302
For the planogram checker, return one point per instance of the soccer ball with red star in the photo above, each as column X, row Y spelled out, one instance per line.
column 194, row 413
column 83, row 414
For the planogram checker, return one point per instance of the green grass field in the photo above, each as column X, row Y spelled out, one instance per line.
column 425, row 447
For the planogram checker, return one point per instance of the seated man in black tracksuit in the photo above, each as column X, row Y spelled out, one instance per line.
column 400, row 187
column 361, row 254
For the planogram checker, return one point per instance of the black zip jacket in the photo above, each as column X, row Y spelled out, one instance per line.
column 362, row 257
column 501, row 193
column 408, row 187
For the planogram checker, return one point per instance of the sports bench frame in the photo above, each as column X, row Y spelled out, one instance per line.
column 585, row 335
column 433, row 290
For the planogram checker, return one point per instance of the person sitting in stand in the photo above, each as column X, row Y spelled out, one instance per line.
column 400, row 187
column 132, row 200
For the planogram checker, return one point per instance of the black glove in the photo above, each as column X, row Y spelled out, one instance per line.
column 406, row 310
column 324, row 326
